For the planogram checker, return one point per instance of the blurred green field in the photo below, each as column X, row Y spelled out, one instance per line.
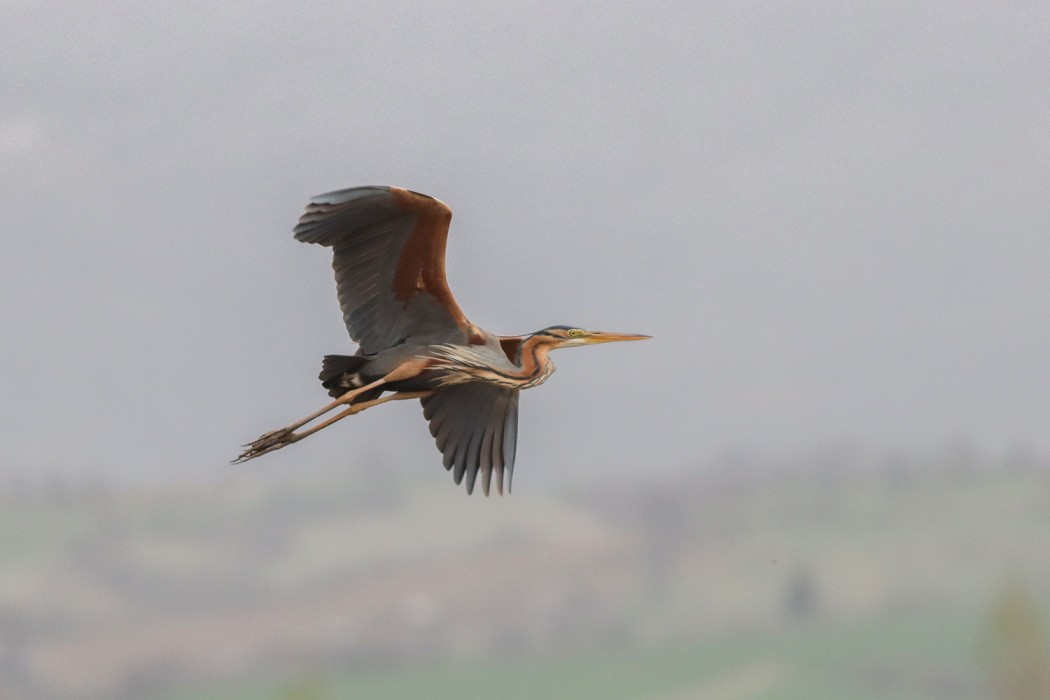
column 928, row 657
column 843, row 582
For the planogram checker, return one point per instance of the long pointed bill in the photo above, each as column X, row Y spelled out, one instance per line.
column 599, row 337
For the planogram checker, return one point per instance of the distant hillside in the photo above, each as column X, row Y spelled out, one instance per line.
column 113, row 593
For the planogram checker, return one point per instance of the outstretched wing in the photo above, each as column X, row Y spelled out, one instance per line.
column 476, row 428
column 389, row 261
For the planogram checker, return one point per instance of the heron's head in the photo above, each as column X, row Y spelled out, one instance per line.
column 568, row 336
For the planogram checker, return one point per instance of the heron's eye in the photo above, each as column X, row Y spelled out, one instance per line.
column 575, row 332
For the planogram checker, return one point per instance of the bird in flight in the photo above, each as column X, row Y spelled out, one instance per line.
column 414, row 341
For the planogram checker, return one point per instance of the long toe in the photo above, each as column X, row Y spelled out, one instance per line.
column 273, row 440
column 273, row 435
column 254, row 451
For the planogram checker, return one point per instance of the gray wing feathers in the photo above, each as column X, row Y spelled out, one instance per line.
column 475, row 426
column 509, row 443
column 367, row 234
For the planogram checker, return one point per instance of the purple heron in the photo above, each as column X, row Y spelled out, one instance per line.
column 414, row 340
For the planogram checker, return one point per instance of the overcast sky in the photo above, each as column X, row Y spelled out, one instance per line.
column 832, row 217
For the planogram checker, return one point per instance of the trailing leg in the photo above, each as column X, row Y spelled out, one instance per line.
column 276, row 439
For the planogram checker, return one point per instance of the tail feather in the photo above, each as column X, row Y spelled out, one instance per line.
column 341, row 373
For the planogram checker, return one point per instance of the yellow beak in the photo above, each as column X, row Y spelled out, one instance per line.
column 600, row 337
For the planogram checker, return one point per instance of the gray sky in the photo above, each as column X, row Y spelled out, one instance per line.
column 833, row 219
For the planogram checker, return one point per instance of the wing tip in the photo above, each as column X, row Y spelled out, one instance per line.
column 348, row 194
column 401, row 194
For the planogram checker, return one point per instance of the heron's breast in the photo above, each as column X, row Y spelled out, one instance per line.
column 459, row 365
column 542, row 373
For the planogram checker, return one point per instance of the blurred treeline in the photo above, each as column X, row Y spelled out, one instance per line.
column 922, row 577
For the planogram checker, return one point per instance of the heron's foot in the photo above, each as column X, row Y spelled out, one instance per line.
column 268, row 442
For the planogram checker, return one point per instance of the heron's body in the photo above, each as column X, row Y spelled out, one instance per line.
column 388, row 246
column 515, row 362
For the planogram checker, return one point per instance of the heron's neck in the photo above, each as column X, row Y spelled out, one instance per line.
column 533, row 355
